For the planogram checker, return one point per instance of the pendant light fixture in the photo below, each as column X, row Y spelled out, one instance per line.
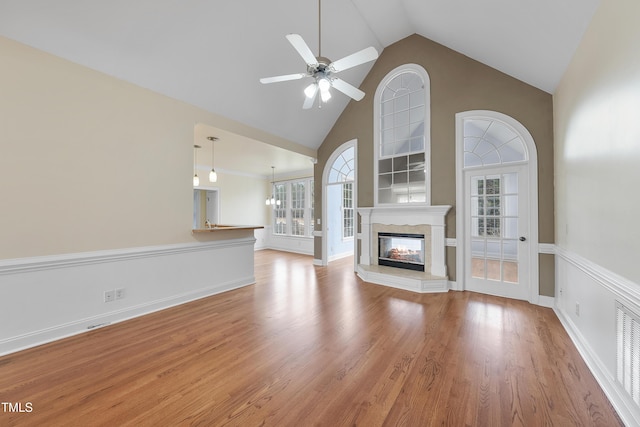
column 271, row 201
column 213, row 176
column 196, row 180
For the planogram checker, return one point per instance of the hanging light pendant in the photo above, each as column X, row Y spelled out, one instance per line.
column 196, row 180
column 213, row 176
column 271, row 201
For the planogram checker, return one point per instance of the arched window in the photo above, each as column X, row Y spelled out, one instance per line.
column 491, row 142
column 342, row 168
column 402, row 137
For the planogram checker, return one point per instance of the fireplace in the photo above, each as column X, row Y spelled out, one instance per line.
column 401, row 250
column 427, row 272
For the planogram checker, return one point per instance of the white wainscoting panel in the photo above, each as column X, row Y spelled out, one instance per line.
column 586, row 296
column 48, row 298
column 299, row 245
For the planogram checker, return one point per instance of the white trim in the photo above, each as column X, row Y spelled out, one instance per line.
column 31, row 264
column 597, row 289
column 532, row 166
column 418, row 69
column 547, row 248
column 545, row 301
column 622, row 287
column 340, row 256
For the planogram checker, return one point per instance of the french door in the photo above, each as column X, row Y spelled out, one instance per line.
column 497, row 229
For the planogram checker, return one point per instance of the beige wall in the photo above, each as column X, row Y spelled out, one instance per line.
column 597, row 133
column 458, row 84
column 89, row 162
column 242, row 199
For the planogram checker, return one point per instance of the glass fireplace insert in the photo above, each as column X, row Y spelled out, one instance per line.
column 401, row 250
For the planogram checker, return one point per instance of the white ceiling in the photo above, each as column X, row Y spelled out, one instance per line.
column 211, row 53
column 230, row 156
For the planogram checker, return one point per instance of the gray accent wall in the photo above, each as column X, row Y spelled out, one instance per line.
column 458, row 83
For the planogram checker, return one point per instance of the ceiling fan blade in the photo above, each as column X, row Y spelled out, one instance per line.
column 308, row 102
column 347, row 89
column 360, row 57
column 284, row 78
column 299, row 45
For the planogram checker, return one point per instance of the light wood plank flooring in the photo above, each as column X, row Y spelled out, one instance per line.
column 309, row 346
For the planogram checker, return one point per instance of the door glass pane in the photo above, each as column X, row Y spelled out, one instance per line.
column 493, row 269
column 494, row 227
column 510, row 228
column 510, row 250
column 494, row 249
column 510, row 183
column 510, row 205
column 477, row 268
column 510, row 272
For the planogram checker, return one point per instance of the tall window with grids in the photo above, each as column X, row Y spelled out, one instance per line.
column 293, row 212
column 311, row 206
column 347, row 210
column 403, row 130
column 298, row 208
column 280, row 211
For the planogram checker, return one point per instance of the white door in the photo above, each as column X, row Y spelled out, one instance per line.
column 497, row 226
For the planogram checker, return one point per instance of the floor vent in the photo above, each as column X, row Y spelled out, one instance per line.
column 628, row 351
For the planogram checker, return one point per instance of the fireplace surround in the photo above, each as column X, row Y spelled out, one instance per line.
column 428, row 221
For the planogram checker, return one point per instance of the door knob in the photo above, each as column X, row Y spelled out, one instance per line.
column 522, row 239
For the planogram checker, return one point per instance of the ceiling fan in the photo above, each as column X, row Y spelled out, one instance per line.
column 323, row 71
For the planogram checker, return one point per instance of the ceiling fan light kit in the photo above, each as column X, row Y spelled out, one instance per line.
column 322, row 70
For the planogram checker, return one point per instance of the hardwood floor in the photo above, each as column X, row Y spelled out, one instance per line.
column 310, row 346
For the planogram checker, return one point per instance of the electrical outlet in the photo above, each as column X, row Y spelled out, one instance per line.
column 109, row 296
column 120, row 293
column 577, row 309
column 560, row 291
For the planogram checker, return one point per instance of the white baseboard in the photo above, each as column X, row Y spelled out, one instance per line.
column 545, row 301
column 298, row 245
column 340, row 256
column 49, row 298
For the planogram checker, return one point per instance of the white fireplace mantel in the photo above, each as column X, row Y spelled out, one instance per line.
column 405, row 215
column 401, row 215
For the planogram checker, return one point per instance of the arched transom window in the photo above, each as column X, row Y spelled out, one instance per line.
column 491, row 142
column 402, row 137
column 342, row 168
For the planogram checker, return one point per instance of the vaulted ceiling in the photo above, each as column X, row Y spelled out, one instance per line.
column 212, row 53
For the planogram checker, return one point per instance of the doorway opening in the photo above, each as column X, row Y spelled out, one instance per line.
column 497, row 231
column 339, row 204
column 206, row 207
